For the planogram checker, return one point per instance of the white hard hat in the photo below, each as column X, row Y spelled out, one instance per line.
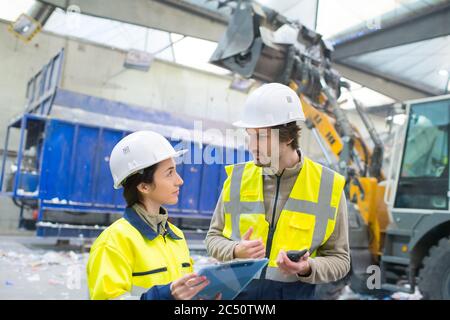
column 270, row 105
column 138, row 151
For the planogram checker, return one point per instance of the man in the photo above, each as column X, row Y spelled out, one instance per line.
column 281, row 201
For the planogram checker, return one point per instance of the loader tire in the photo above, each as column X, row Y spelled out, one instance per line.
column 434, row 277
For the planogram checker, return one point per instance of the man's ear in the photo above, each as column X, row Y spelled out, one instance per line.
column 290, row 141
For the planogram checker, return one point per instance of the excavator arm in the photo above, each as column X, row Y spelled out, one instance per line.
column 264, row 45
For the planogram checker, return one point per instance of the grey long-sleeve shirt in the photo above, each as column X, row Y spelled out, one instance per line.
column 333, row 258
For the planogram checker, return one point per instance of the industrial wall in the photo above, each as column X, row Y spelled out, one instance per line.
column 97, row 70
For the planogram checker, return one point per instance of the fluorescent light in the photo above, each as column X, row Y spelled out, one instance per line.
column 443, row 72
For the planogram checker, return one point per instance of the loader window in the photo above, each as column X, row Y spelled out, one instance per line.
column 424, row 177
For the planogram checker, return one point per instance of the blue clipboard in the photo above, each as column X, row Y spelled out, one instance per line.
column 229, row 278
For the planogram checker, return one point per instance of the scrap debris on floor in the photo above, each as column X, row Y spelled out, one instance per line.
column 30, row 271
column 36, row 273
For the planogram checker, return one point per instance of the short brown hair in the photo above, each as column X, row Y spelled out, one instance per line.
column 289, row 131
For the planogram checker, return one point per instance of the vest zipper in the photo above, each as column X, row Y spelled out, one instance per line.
column 271, row 226
column 276, row 199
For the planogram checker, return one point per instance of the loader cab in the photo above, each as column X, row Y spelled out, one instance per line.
column 423, row 176
column 418, row 238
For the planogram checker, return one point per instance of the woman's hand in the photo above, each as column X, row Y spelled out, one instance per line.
column 188, row 286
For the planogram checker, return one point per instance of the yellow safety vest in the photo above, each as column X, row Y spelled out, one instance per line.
column 306, row 221
column 129, row 257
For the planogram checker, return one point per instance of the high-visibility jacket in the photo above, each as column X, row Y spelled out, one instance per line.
column 306, row 221
column 129, row 258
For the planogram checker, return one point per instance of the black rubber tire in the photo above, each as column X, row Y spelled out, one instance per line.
column 434, row 277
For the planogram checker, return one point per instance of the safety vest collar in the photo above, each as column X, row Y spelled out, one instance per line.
column 133, row 218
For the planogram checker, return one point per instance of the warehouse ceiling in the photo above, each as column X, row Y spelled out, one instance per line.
column 304, row 11
column 417, row 65
column 409, row 50
column 397, row 48
column 401, row 47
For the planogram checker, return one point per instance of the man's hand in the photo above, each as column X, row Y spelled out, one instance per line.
column 253, row 249
column 288, row 267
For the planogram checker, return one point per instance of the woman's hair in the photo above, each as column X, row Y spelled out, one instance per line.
column 289, row 131
column 130, row 191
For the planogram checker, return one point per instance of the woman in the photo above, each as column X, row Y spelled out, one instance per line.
column 142, row 255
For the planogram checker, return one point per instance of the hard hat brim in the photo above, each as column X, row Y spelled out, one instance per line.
column 173, row 155
column 243, row 124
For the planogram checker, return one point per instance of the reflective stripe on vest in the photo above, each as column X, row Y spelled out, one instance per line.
column 306, row 221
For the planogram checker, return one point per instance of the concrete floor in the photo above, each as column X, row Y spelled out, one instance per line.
column 32, row 268
column 41, row 269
